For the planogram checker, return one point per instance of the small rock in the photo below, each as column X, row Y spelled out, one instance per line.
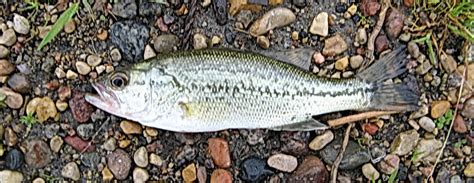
column 381, row 43
column 352, row 10
column 189, row 173
column 320, row 25
column 115, row 55
column 80, row 108
column 321, row 141
column 130, row 37
column 149, row 52
column 6, row 67
column 125, row 8
column 141, row 157
column 361, row 37
column 14, row 159
column 438, row 108
column 467, row 150
column 424, row 67
column 4, row 52
column 318, row 58
column 85, row 131
column 389, row 164
column 155, row 159
column 369, row 7
column 283, row 162
column 221, row 176
column 404, row 142
column 428, row 150
column 19, row 83
column 370, row 172
column 205, row 3
column 405, row 37
column 38, row 154
column 110, row 144
column 263, row 42
column 413, row 49
column 8, row 176
column 119, row 164
column 107, row 175
column 8, row 38
column 427, row 123
column 408, row 3
column 469, row 170
column 199, row 41
column 83, row 68
column 79, row 144
column 71, row 75
column 370, row 128
column 356, row 61
column 394, row 23
column 219, row 151
column 64, row 92
column 102, row 35
column 312, row 169
column 11, row 139
column 39, row 180
column 129, row 127
column 459, row 125
column 468, row 110
column 45, row 109
column 70, row 26
column 165, row 43
column 254, row 170
column 21, row 24
column 342, row 63
column 354, row 156
column 299, row 3
column 215, row 40
column 449, row 63
column 202, row 174
column 56, row 143
column 277, row 17
column 140, row 175
column 62, row 106
column 334, row 45
column 93, row 60
column 71, row 171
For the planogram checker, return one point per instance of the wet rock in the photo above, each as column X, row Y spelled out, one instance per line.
column 219, row 151
column 459, row 125
column 189, row 173
column 149, row 52
column 125, row 8
column 79, row 144
column 438, row 108
column 85, row 131
column 80, row 108
column 468, row 110
column 129, row 127
column 19, row 83
column 369, row 7
column 56, row 143
column 469, row 170
column 199, row 41
column 165, row 43
column 428, row 150
column 254, row 170
column 8, row 38
column 220, row 10
column 71, row 171
column 21, row 24
column 148, row 8
column 4, row 52
column 394, row 23
column 404, row 142
column 356, row 61
column 427, row 123
column 38, row 154
column 334, row 45
column 320, row 25
column 283, row 162
column 381, row 43
column 389, row 164
column 141, row 157
column 370, row 172
column 11, row 139
column 263, row 42
column 129, row 37
column 354, row 156
column 449, row 63
column 14, row 159
column 10, row 176
column 277, row 17
column 119, row 163
column 140, row 175
column 312, row 169
column 6, row 67
column 321, row 141
column 221, row 176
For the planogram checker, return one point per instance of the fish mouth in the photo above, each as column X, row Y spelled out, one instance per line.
column 104, row 99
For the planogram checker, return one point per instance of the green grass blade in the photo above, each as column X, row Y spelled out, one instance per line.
column 393, row 176
column 58, row 26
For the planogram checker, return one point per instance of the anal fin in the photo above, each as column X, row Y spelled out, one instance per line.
column 308, row 124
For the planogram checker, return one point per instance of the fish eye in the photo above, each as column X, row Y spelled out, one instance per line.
column 119, row 80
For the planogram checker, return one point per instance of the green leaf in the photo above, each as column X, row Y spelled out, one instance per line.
column 393, row 176
column 59, row 25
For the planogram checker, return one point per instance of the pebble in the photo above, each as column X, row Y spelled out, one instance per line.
column 140, row 175
column 83, row 68
column 459, row 125
column 141, row 157
column 342, row 63
column 354, row 156
column 125, row 8
column 469, row 170
column 370, row 128
column 448, row 62
column 14, row 159
column 149, row 8
column 320, row 25
column 389, row 164
column 19, row 83
column 369, row 7
column 215, row 40
column 38, row 154
column 334, row 45
column 115, row 55
column 370, row 172
column 129, row 127
column 8, row 38
column 199, row 41
column 405, row 37
column 71, row 171
column 189, row 173
column 61, row 106
column 165, row 43
column 254, row 170
column 85, row 131
column 428, row 150
column 220, row 11
column 202, row 174
column 93, row 60
column 130, row 37
column 6, row 67
column 43, row 30
column 468, row 109
column 119, row 164
column 318, row 58
column 9, row 176
column 413, row 49
column 408, row 3
column 299, row 3
column 109, row 144
column 78, row 144
column 70, row 26
column 277, row 17
column 352, row 10
column 381, row 43
column 361, row 37
column 80, row 108
column 11, row 139
column 283, row 162
column 21, row 24
column 321, row 141
column 71, row 75
column 219, row 151
column 4, row 52
column 221, row 176
column 56, row 143
column 439, row 108
column 39, row 180
column 64, row 92
column 312, row 169
column 263, row 42
column 394, row 23
column 356, row 61
column 149, row 52
column 427, row 123
column 205, row 3
column 405, row 142
column 424, row 67
column 45, row 109
column 107, row 175
column 467, row 150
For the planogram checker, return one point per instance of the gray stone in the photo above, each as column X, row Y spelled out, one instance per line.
column 125, row 8
column 165, row 43
column 404, row 142
column 354, row 156
column 427, row 124
column 130, row 38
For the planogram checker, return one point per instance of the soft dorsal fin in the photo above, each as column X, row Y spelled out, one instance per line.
column 300, row 57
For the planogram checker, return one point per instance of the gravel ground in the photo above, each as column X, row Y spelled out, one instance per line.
column 48, row 132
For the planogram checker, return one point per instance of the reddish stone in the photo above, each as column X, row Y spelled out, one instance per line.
column 161, row 25
column 311, row 170
column 38, row 154
column 221, row 176
column 81, row 110
column 79, row 144
column 408, row 3
column 64, row 92
column 219, row 150
column 369, row 7
column 394, row 24
column 370, row 128
column 459, row 125
column 52, row 85
column 381, row 43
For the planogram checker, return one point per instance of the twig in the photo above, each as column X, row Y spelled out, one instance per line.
column 93, row 136
column 358, row 117
column 369, row 54
column 452, row 121
column 336, row 163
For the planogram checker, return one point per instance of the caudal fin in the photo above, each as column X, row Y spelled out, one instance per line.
column 397, row 97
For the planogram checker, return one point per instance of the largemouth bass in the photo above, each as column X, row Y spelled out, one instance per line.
column 211, row 90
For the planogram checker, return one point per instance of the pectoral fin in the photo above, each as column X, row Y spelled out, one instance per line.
column 308, row 124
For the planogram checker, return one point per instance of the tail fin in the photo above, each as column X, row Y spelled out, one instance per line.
column 397, row 97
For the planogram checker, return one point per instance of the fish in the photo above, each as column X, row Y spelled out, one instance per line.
column 218, row 89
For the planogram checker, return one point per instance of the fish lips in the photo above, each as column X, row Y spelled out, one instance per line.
column 104, row 99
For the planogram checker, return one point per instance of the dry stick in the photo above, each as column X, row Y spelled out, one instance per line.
column 369, row 54
column 336, row 163
column 358, row 117
column 452, row 121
